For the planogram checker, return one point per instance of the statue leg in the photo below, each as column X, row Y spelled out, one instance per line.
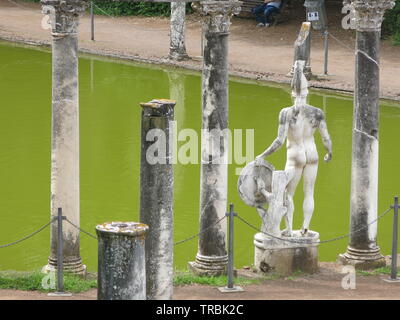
column 263, row 215
column 310, row 175
column 290, row 190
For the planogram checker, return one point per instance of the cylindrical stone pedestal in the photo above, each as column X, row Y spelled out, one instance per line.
column 283, row 257
column 121, row 267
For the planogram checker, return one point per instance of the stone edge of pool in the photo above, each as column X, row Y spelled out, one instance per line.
column 195, row 65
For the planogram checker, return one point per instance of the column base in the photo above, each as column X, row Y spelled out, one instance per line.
column 72, row 266
column 209, row 266
column 273, row 256
column 362, row 259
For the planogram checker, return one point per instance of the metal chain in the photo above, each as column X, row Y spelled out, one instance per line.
column 341, row 42
column 176, row 243
column 81, row 230
column 314, row 242
column 30, row 235
column 107, row 14
column 201, row 232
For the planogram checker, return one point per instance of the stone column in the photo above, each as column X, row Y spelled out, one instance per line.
column 302, row 49
column 211, row 258
column 64, row 17
column 177, row 49
column 121, row 268
column 157, row 194
column 363, row 251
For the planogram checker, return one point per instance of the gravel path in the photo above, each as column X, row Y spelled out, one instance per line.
column 325, row 285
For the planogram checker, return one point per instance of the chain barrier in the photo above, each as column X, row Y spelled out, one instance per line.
column 354, row 50
column 28, row 236
column 341, row 42
column 314, row 242
column 204, row 230
column 176, row 243
column 81, row 230
column 107, row 14
column 201, row 232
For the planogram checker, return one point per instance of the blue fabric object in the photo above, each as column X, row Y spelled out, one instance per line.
column 275, row 4
column 263, row 11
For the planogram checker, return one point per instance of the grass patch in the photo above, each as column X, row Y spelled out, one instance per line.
column 375, row 272
column 296, row 274
column 33, row 282
column 187, row 278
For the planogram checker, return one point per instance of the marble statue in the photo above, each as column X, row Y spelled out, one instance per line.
column 285, row 252
column 297, row 125
column 261, row 184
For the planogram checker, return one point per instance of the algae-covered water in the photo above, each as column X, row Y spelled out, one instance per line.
column 110, row 93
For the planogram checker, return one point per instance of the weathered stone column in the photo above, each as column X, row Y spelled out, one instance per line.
column 121, row 268
column 64, row 17
column 302, row 49
column 211, row 258
column 156, row 195
column 177, row 49
column 363, row 251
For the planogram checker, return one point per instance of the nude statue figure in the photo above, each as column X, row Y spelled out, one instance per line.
column 297, row 125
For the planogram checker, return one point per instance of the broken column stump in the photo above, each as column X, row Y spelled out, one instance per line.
column 157, row 195
column 121, row 264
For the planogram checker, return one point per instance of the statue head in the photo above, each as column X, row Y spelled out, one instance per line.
column 299, row 81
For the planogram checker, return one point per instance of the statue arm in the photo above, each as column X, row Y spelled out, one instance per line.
column 326, row 140
column 282, row 134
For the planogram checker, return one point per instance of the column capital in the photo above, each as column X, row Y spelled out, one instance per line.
column 218, row 14
column 64, row 15
column 368, row 14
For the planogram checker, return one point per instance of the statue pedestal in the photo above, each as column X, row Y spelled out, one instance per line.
column 283, row 257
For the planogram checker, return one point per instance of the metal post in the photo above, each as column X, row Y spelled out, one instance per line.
column 92, row 20
column 230, row 247
column 60, row 257
column 326, row 47
column 230, row 287
column 393, row 274
column 395, row 232
column 202, row 41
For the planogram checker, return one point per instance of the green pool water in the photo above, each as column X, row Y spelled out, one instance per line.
column 110, row 93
